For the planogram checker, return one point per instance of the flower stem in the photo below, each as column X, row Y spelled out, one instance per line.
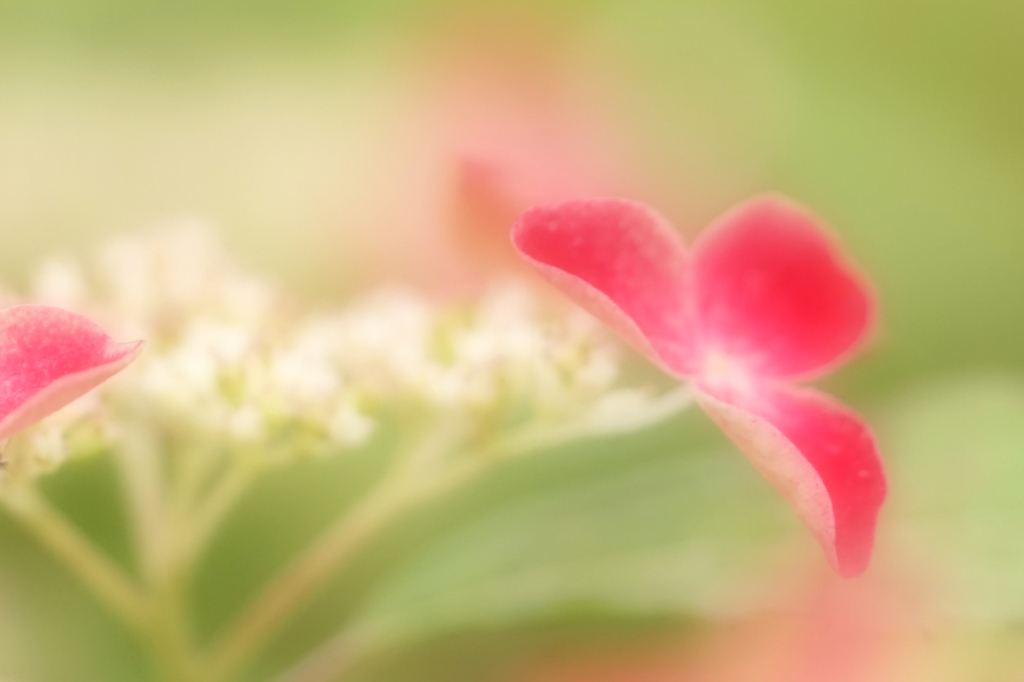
column 207, row 519
column 169, row 635
column 156, row 509
column 405, row 487
column 301, row 579
column 350, row 646
column 329, row 661
column 410, row 483
column 401, row 489
column 594, row 425
column 106, row 579
column 139, row 462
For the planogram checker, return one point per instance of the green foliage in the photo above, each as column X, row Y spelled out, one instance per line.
column 642, row 527
column 669, row 533
column 956, row 463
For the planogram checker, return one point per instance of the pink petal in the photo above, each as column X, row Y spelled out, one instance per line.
column 622, row 262
column 486, row 204
column 772, row 288
column 49, row 357
column 814, row 451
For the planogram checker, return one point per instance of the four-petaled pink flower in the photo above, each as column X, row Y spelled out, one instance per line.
column 763, row 299
column 49, row 357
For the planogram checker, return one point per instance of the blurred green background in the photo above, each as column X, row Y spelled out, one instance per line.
column 297, row 128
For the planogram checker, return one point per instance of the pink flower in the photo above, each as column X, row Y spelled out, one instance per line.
column 49, row 357
column 763, row 299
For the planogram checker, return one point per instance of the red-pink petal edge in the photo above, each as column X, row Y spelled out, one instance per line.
column 48, row 358
column 622, row 262
column 816, row 453
column 773, row 290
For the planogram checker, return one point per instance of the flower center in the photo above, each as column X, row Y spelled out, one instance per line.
column 721, row 371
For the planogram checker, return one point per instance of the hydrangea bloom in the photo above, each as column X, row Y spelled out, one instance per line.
column 49, row 357
column 235, row 362
column 764, row 298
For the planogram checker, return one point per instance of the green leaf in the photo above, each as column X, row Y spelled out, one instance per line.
column 956, row 453
column 652, row 532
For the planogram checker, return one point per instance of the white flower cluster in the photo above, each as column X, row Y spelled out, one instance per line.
column 228, row 359
column 474, row 357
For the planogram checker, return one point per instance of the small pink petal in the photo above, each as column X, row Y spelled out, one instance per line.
column 771, row 288
column 814, row 451
column 622, row 262
column 49, row 357
column 485, row 205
